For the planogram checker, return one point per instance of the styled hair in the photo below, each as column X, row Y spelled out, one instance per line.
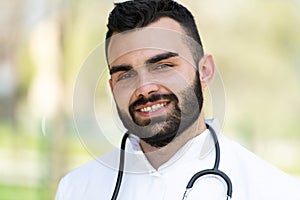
column 133, row 14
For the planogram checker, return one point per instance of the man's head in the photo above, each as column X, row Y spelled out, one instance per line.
column 134, row 14
column 154, row 69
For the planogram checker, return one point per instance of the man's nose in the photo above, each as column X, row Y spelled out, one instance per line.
column 145, row 87
column 146, row 90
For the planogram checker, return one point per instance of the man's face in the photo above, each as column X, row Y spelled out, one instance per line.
column 154, row 82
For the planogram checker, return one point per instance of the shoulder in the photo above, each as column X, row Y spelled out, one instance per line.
column 98, row 166
column 246, row 159
column 89, row 178
column 254, row 174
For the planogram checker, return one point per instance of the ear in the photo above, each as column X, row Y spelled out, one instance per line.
column 111, row 85
column 206, row 69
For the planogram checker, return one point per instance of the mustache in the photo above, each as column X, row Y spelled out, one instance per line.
column 154, row 97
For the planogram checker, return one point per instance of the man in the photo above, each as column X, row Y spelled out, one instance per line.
column 158, row 72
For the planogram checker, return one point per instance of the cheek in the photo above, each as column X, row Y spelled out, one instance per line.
column 177, row 80
column 182, row 85
column 122, row 97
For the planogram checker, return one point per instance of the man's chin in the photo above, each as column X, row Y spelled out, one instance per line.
column 158, row 134
column 150, row 121
column 149, row 130
column 160, row 140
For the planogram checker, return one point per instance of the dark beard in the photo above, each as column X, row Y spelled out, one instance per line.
column 160, row 131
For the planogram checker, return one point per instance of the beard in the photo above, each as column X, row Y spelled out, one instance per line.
column 160, row 131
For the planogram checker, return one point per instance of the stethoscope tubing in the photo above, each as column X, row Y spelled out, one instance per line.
column 121, row 167
column 214, row 171
column 208, row 172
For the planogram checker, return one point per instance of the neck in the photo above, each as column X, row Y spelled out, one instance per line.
column 159, row 155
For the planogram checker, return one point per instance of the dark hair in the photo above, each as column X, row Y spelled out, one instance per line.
column 133, row 14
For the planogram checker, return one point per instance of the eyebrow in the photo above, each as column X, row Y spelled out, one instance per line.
column 160, row 57
column 117, row 68
column 152, row 60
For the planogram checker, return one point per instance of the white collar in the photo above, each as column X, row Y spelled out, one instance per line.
column 203, row 144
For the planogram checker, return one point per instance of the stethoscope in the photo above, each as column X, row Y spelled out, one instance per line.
column 214, row 171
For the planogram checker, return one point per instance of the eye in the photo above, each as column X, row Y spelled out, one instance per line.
column 126, row 75
column 163, row 66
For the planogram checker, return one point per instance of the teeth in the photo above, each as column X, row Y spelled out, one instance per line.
column 153, row 108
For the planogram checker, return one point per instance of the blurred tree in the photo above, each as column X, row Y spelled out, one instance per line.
column 9, row 39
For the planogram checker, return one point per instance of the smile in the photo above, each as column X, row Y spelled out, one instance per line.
column 153, row 108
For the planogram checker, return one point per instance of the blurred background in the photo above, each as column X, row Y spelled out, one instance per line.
column 256, row 46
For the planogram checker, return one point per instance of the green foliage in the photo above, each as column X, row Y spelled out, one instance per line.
column 15, row 192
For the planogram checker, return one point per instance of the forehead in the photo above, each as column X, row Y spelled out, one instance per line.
column 164, row 35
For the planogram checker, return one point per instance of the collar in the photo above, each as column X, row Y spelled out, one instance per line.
column 197, row 148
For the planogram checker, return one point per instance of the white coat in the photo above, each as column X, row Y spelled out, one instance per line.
column 252, row 178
